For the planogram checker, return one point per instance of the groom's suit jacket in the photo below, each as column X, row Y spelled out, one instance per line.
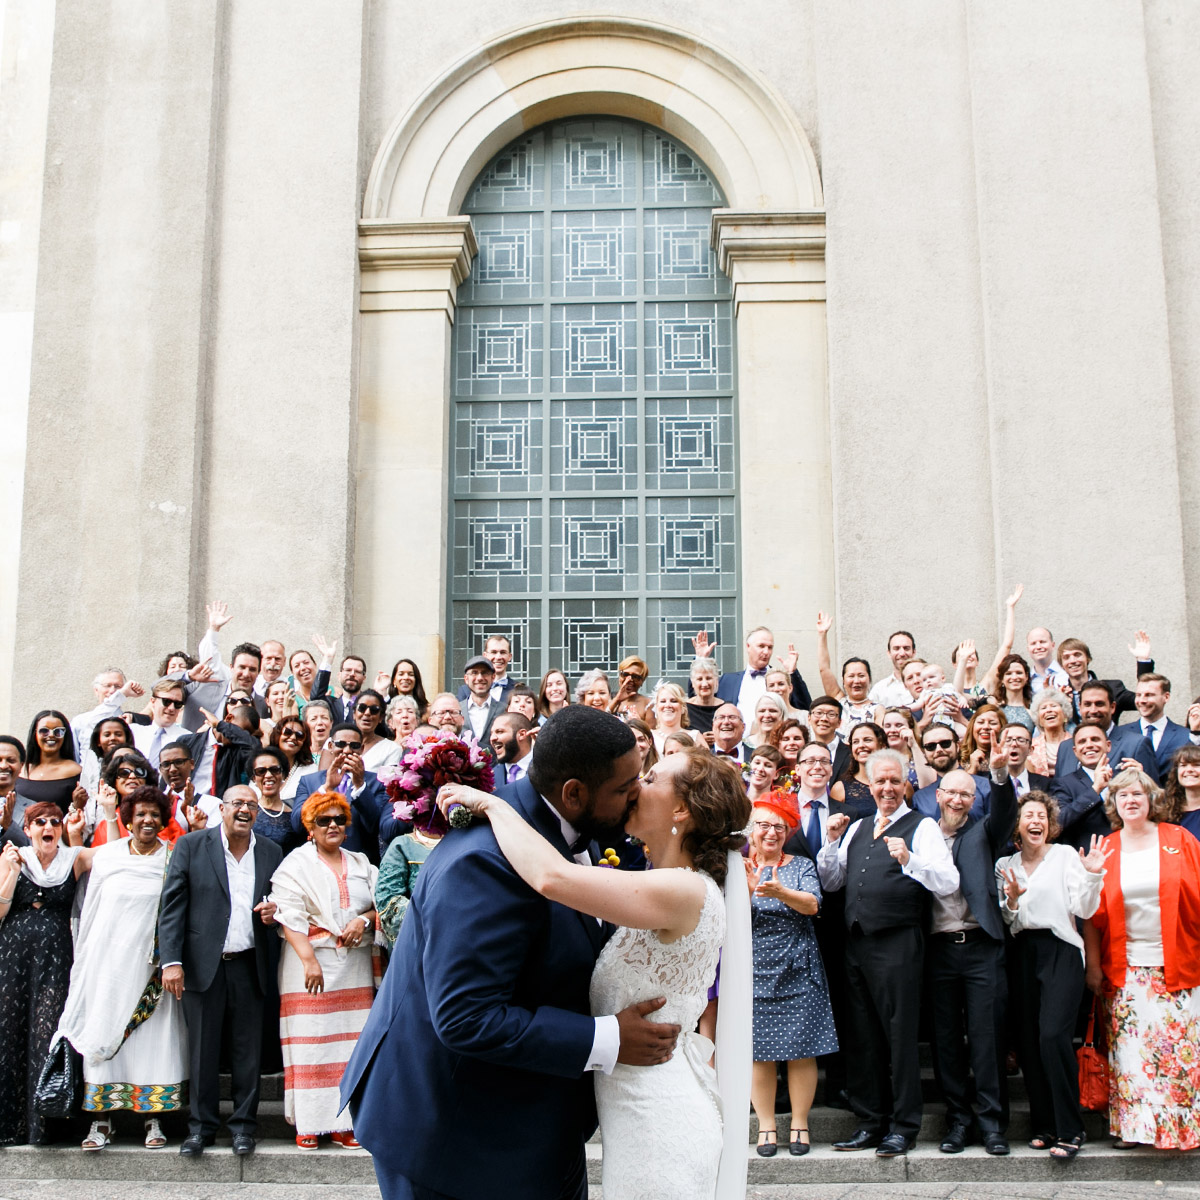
column 468, row 1077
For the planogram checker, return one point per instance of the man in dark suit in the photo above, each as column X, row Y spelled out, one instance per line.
column 12, row 758
column 966, row 983
column 497, row 649
column 743, row 688
column 889, row 868
column 512, row 747
column 824, row 720
column 1155, row 731
column 219, row 958
column 484, row 1007
column 479, row 710
column 352, row 674
column 814, row 768
column 1017, row 743
column 1080, row 793
column 373, row 827
column 1075, row 658
column 1096, row 704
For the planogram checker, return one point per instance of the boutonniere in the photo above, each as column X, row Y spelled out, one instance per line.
column 609, row 859
column 1170, row 849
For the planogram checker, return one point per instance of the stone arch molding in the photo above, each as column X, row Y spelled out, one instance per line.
column 734, row 120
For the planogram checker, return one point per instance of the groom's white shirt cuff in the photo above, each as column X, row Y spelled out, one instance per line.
column 606, row 1045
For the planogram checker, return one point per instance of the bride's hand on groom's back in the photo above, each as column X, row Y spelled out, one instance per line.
column 645, row 1043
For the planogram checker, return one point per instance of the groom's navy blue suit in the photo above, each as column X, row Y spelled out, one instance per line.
column 468, row 1080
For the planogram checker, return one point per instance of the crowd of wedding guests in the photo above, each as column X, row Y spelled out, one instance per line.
column 205, row 873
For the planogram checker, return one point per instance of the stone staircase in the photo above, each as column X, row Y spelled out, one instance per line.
column 278, row 1161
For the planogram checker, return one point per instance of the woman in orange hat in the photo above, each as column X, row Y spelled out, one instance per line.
column 793, row 1021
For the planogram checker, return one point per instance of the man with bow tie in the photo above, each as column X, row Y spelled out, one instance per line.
column 728, row 728
column 888, row 867
column 744, row 688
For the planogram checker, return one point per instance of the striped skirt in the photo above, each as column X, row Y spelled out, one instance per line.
column 318, row 1033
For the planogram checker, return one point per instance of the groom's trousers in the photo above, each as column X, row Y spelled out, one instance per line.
column 400, row 1187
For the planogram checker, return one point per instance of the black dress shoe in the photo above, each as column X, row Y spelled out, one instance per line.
column 995, row 1143
column 860, row 1139
column 955, row 1141
column 893, row 1145
column 243, row 1144
column 193, row 1145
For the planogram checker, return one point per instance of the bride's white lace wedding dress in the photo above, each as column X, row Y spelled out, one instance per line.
column 661, row 1126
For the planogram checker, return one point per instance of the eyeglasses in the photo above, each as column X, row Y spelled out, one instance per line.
column 952, row 792
column 937, row 745
column 368, row 709
column 769, row 827
column 630, row 675
column 330, row 819
column 165, row 764
column 292, row 733
column 52, row 735
column 250, row 805
column 348, row 745
column 258, row 772
column 239, row 702
column 131, row 773
column 815, row 762
column 53, row 822
column 167, row 702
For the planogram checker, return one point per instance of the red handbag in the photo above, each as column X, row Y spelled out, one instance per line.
column 1093, row 1068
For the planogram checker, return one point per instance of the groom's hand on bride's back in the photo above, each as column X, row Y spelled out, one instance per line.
column 645, row 1043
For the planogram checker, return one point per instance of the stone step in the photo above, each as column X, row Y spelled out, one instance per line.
column 280, row 1162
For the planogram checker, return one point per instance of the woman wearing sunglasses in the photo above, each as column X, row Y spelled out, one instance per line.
column 268, row 769
column 50, row 772
column 37, row 891
column 326, row 913
column 378, row 751
column 291, row 737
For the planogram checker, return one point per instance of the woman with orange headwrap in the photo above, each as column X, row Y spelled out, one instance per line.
column 793, row 1021
column 324, row 896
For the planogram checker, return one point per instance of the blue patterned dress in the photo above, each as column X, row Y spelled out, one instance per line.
column 792, row 1016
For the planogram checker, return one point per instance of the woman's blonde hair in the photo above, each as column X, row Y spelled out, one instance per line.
column 320, row 802
column 1127, row 778
column 673, row 689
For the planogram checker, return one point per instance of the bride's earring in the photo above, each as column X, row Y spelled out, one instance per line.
column 674, row 831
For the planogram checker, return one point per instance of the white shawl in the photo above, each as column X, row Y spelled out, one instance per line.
column 301, row 891
column 61, row 865
column 114, row 951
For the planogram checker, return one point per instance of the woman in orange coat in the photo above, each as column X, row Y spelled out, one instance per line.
column 1143, row 953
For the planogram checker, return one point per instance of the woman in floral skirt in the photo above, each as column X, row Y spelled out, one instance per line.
column 1143, row 953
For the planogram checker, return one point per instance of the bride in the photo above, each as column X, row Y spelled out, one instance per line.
column 661, row 1125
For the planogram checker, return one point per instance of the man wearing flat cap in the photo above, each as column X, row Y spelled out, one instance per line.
column 479, row 709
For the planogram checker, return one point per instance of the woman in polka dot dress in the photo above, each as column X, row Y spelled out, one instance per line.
column 793, row 1021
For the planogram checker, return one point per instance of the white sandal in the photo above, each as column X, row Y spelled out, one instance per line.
column 99, row 1136
column 154, row 1135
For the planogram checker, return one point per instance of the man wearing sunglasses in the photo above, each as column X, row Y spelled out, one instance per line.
column 167, row 699
column 373, row 827
column 220, row 955
column 939, row 744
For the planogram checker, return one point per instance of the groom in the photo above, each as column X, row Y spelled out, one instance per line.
column 470, row 1079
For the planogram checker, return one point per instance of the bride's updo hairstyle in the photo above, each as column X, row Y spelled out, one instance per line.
column 711, row 789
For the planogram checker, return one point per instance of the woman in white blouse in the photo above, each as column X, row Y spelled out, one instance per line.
column 1043, row 887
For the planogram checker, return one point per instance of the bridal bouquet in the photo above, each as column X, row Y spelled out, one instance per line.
column 428, row 762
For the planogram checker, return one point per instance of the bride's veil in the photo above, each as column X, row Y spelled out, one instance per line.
column 735, row 1032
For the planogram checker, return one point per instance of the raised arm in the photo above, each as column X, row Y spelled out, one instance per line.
column 829, row 681
column 669, row 901
column 1006, row 642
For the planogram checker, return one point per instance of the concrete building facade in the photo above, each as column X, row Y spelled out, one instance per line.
column 965, row 290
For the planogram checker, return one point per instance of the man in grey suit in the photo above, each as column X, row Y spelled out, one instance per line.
column 479, row 710
column 219, row 958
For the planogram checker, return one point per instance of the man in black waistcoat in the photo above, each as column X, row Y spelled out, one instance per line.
column 968, row 988
column 888, row 868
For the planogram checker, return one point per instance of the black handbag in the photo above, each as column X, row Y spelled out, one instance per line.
column 58, row 1087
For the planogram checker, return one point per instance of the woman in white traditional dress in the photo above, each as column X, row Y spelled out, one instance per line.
column 129, row 1031
column 327, row 973
column 662, row 1125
